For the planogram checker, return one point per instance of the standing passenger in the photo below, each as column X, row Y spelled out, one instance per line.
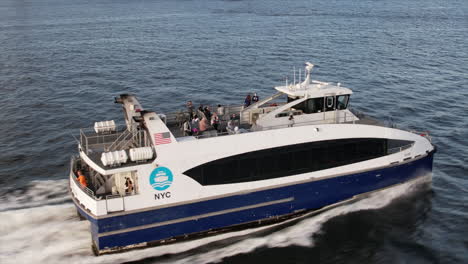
column 207, row 112
column 187, row 128
column 220, row 111
column 128, row 185
column 203, row 124
column 291, row 121
column 190, row 109
column 215, row 121
column 195, row 125
column 82, row 179
column 255, row 98
column 247, row 100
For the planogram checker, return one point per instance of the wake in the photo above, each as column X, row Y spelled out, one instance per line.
column 52, row 233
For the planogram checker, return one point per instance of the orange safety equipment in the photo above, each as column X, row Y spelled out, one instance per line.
column 82, row 180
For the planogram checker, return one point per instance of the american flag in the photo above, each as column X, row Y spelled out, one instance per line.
column 162, row 138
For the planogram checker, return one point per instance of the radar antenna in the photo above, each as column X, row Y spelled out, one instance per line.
column 309, row 66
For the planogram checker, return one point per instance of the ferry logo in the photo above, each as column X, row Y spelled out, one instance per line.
column 161, row 178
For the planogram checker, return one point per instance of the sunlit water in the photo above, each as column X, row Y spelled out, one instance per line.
column 63, row 61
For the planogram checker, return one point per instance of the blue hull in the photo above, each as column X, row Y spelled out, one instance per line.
column 115, row 233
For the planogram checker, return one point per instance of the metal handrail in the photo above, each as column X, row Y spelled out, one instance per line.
column 123, row 136
column 399, row 149
column 422, row 134
column 112, row 196
column 108, row 141
column 244, row 130
column 315, row 122
column 88, row 191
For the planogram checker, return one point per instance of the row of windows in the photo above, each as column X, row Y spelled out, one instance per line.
column 288, row 160
column 323, row 104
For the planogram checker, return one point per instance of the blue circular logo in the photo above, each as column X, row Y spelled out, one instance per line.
column 161, row 178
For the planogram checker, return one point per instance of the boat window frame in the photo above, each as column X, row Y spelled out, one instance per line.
column 329, row 107
column 342, row 106
column 311, row 105
column 307, row 157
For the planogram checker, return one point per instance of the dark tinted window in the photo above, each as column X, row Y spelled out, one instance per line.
column 289, row 160
column 310, row 106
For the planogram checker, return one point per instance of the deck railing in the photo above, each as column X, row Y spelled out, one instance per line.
column 88, row 191
column 179, row 117
column 423, row 134
column 260, row 128
column 399, row 149
column 121, row 138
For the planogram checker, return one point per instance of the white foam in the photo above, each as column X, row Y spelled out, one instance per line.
column 37, row 193
column 53, row 234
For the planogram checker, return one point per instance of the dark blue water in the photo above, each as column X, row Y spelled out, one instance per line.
column 62, row 61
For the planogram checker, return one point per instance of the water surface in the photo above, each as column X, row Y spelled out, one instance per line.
column 62, row 62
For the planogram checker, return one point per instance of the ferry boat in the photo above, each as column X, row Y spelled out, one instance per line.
column 300, row 150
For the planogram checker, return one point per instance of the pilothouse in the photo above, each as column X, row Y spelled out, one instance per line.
column 166, row 177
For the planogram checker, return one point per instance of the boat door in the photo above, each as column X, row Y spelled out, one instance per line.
column 115, row 203
column 329, row 108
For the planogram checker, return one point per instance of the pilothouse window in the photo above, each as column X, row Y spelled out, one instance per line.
column 342, row 102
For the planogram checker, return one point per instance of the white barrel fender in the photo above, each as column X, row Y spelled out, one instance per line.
column 114, row 158
column 138, row 154
column 104, row 126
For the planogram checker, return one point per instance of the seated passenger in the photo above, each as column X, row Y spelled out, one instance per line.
column 231, row 126
column 82, row 179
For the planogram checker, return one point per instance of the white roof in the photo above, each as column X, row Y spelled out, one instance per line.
column 313, row 89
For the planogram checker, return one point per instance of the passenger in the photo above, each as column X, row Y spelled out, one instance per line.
column 128, row 185
column 195, row 125
column 82, row 179
column 220, row 110
column 187, row 128
column 291, row 121
column 203, row 124
column 190, row 109
column 231, row 126
column 200, row 108
column 247, row 100
column 255, row 98
column 233, row 121
column 215, row 121
column 207, row 112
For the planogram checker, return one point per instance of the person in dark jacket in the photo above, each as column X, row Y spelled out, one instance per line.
column 248, row 100
column 255, row 98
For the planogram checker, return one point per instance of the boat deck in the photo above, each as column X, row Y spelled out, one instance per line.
column 175, row 124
